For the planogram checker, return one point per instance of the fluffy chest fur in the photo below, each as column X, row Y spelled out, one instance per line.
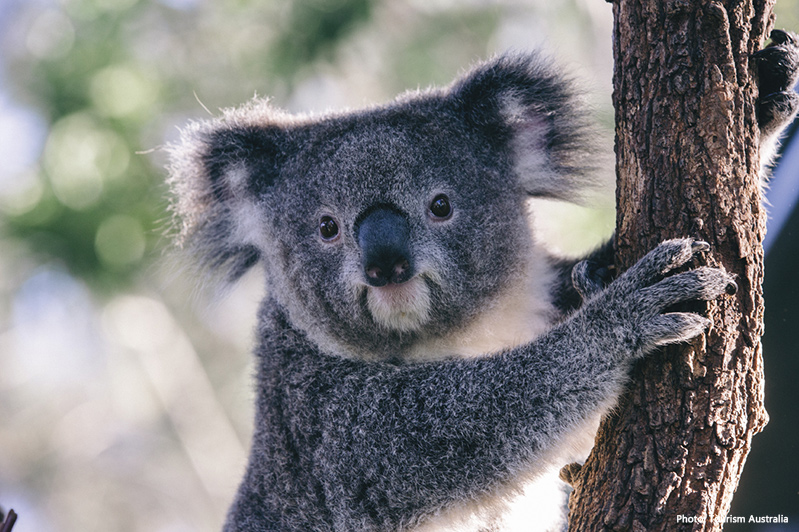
column 534, row 499
column 523, row 312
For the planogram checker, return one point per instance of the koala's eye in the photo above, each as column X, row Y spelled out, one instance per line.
column 328, row 228
column 440, row 207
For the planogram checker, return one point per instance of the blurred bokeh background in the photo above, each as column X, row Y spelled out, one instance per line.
column 125, row 385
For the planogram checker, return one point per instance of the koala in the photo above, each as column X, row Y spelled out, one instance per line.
column 422, row 360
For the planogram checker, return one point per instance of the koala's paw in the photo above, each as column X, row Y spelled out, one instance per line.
column 778, row 70
column 589, row 278
column 635, row 304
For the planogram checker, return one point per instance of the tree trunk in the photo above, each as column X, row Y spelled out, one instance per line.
column 687, row 165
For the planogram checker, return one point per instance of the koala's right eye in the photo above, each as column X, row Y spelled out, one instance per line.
column 440, row 207
column 328, row 228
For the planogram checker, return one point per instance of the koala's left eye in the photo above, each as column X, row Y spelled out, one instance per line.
column 328, row 228
column 440, row 207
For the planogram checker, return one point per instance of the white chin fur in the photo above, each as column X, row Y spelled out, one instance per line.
column 404, row 307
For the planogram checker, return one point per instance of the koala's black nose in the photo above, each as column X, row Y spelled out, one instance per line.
column 383, row 236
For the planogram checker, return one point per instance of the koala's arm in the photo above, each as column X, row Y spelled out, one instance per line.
column 353, row 445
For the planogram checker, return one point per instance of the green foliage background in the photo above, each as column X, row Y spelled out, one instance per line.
column 108, row 76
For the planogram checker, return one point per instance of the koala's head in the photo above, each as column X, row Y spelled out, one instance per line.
column 381, row 227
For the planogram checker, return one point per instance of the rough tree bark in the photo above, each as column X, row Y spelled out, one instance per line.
column 687, row 165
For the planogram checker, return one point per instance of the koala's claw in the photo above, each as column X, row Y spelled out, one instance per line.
column 732, row 288
column 642, row 297
column 781, row 36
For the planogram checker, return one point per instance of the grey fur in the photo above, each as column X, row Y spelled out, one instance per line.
column 777, row 104
column 373, row 412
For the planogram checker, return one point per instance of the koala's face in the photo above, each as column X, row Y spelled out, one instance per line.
column 382, row 227
column 385, row 228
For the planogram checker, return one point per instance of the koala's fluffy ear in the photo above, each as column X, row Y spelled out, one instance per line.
column 217, row 172
column 522, row 104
